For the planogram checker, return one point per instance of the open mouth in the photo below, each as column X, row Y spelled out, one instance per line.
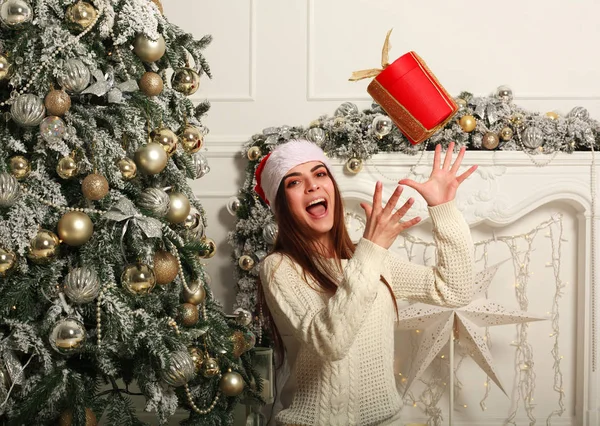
column 317, row 208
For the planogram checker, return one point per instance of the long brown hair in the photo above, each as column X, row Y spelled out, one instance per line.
column 292, row 241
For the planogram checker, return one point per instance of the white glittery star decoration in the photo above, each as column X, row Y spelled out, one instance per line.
column 438, row 324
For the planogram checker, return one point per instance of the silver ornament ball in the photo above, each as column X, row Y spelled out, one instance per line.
column 68, row 336
column 201, row 164
column 74, row 76
column 10, row 190
column 316, row 135
column 270, row 233
column 533, row 137
column 15, row 12
column 346, row 109
column 82, row 285
column 52, row 128
column 382, row 125
column 180, row 370
column 579, row 112
column 154, row 200
column 28, row 110
column 233, row 204
column 504, row 93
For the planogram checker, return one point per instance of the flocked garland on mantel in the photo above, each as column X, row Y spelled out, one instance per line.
column 482, row 123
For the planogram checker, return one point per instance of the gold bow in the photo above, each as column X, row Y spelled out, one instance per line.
column 374, row 72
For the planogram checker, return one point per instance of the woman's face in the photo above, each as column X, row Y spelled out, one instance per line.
column 310, row 195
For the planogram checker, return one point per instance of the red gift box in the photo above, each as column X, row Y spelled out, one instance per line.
column 410, row 94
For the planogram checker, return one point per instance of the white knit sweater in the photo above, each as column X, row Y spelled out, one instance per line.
column 343, row 370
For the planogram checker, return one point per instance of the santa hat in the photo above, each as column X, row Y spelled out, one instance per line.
column 274, row 166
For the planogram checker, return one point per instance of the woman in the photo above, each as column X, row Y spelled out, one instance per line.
column 336, row 302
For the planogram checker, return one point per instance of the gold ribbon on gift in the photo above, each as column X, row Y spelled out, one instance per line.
column 374, row 72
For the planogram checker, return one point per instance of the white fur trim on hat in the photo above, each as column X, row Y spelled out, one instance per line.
column 284, row 158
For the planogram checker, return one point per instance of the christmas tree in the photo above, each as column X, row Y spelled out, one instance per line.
column 102, row 242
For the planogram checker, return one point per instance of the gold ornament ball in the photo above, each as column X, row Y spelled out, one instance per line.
column 189, row 314
column 149, row 50
column 467, row 123
column 210, row 250
column 506, row 134
column 518, row 119
column 166, row 267
column 151, row 84
column 186, row 81
column 165, row 137
column 197, row 358
column 192, row 139
column 211, row 368
column 94, row 187
column 138, row 278
column 66, row 418
column 246, row 262
column 43, row 247
column 127, row 168
column 57, row 102
column 82, row 14
column 20, row 167
column 4, row 67
column 66, row 167
column 75, row 228
column 7, row 261
column 490, row 140
column 552, row 115
column 197, row 293
column 238, row 342
column 151, row 159
column 354, row 165
column 254, row 153
column 232, row 383
column 179, row 207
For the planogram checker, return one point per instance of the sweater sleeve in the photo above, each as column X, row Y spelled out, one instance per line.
column 328, row 326
column 450, row 281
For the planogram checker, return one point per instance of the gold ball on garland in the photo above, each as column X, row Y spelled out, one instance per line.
column 254, row 153
column 189, row 314
column 506, row 134
column 186, row 81
column 4, row 67
column 66, row 418
column 517, row 119
column 238, row 342
column 149, row 50
column 197, row 358
column 552, row 115
column 94, row 187
column 210, row 368
column 467, row 123
column 82, row 14
column 490, row 140
column 151, row 84
column 138, row 278
column 192, row 139
column 197, row 293
column 179, row 207
column 67, row 336
column 7, row 261
column 20, row 167
column 210, row 250
column 246, row 262
column 66, row 167
column 151, row 159
column 165, row 137
column 127, row 168
column 75, row 228
column 166, row 267
column 43, row 247
column 232, row 383
column 57, row 102
column 354, row 165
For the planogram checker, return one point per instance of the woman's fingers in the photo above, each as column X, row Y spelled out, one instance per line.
column 410, row 223
column 466, row 174
column 377, row 197
column 437, row 157
column 448, row 159
column 459, row 159
column 402, row 210
column 368, row 210
column 391, row 204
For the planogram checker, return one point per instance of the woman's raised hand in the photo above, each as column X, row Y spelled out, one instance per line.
column 442, row 183
column 383, row 224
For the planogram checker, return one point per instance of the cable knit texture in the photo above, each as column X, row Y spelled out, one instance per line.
column 343, row 371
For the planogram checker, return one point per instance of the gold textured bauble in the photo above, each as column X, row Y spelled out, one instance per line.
column 506, row 134
column 149, row 50
column 210, row 368
column 232, row 383
column 166, row 267
column 43, row 247
column 517, row 119
column 188, row 314
column 467, row 123
column 75, row 228
column 94, row 187
column 151, row 159
column 159, row 5
column 238, row 342
column 552, row 115
column 127, row 168
column 197, row 293
column 20, row 167
column 165, row 137
column 197, row 357
column 66, row 167
column 354, row 165
column 4, row 67
column 192, row 139
column 151, row 84
column 82, row 14
column 246, row 262
column 179, row 207
column 66, row 418
column 490, row 140
column 254, row 153
column 211, row 248
column 138, row 278
column 57, row 102
column 185, row 80
column 8, row 261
